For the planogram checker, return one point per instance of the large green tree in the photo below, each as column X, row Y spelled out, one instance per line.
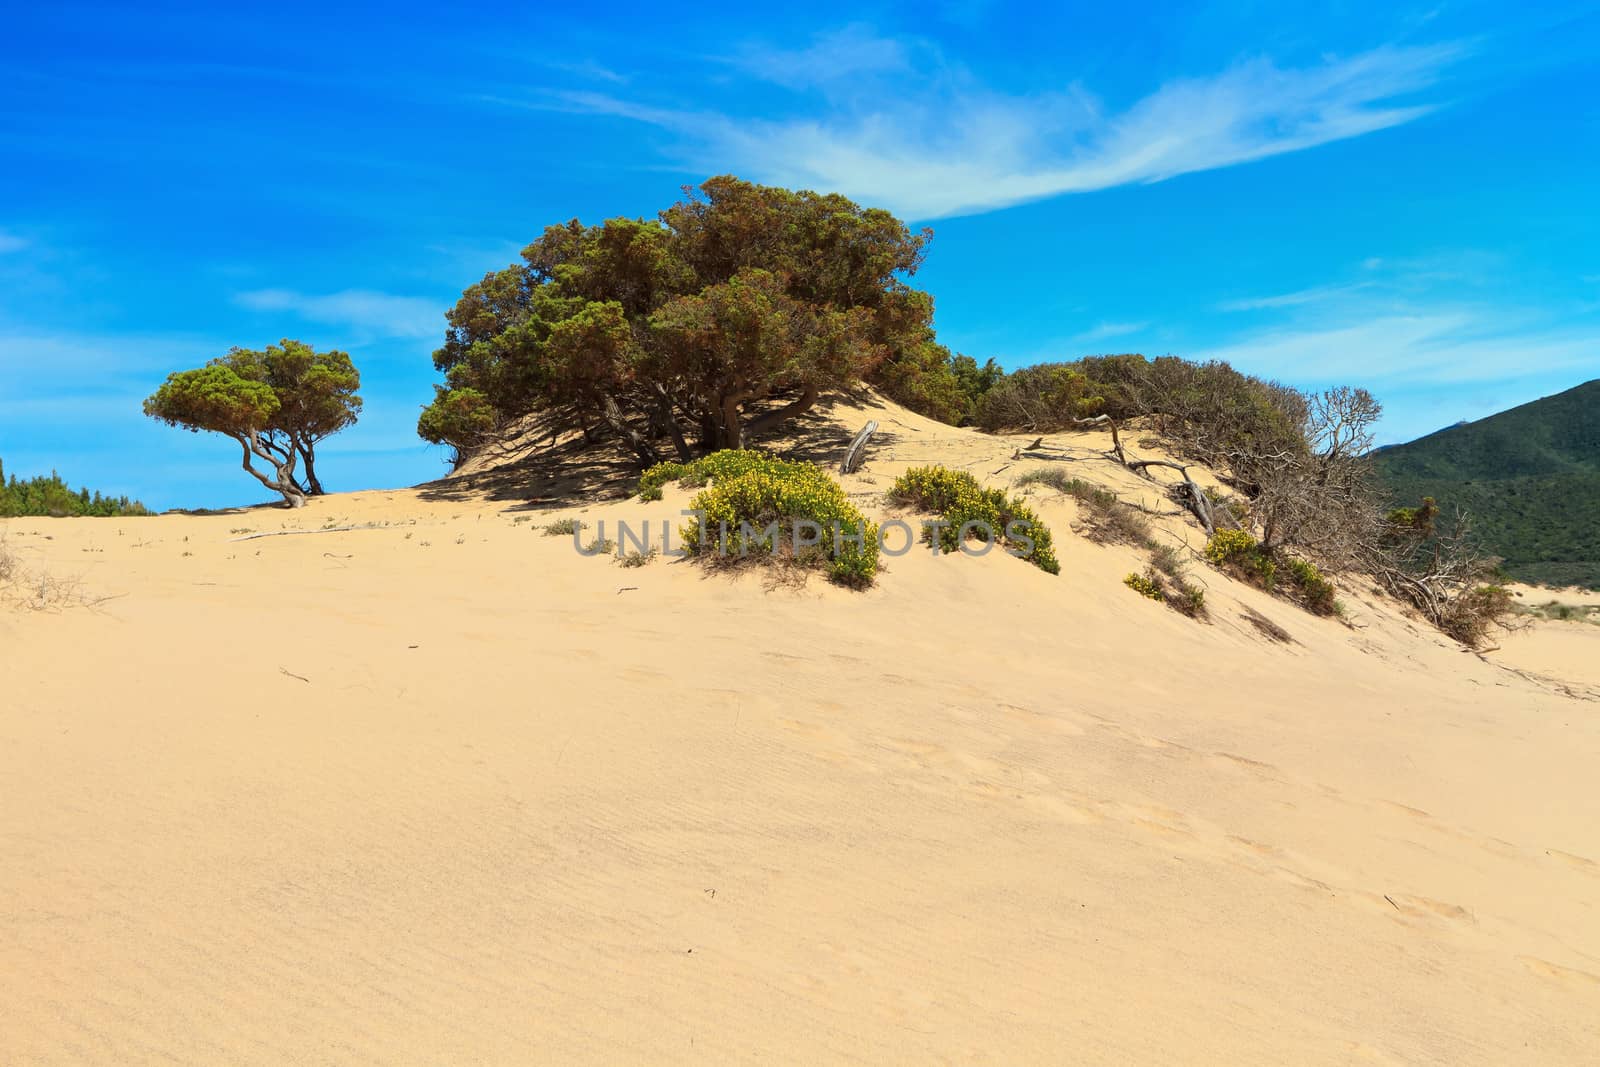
column 730, row 312
column 278, row 403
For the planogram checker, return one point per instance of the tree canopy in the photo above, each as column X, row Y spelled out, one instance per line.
column 730, row 312
column 53, row 496
column 278, row 403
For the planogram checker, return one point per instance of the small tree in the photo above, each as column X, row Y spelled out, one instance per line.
column 277, row 403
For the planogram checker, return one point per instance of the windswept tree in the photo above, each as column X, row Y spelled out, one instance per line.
column 730, row 312
column 278, row 403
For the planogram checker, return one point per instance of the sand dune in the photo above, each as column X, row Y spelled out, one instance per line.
column 440, row 790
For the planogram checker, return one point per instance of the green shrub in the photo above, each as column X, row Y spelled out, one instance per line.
column 562, row 528
column 1315, row 590
column 751, row 491
column 1237, row 550
column 1145, row 587
column 637, row 558
column 601, row 546
column 958, row 499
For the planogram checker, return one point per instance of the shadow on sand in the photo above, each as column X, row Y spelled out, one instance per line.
column 566, row 471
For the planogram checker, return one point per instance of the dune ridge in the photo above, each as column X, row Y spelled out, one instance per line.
column 438, row 789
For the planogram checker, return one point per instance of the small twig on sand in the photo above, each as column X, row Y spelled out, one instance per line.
column 296, row 533
column 291, row 674
column 1390, row 899
column 625, row 589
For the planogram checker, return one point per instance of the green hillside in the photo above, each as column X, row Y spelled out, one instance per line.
column 1530, row 477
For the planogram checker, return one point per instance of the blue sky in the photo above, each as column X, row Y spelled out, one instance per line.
column 1397, row 197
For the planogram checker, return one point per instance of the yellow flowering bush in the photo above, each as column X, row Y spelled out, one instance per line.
column 958, row 498
column 751, row 491
column 1145, row 587
column 1237, row 549
column 724, row 464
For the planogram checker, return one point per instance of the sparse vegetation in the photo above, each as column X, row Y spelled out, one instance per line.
column 1169, row 588
column 966, row 508
column 562, row 528
column 1106, row 518
column 636, row 558
column 600, row 546
column 1473, row 615
column 37, row 590
column 1556, row 611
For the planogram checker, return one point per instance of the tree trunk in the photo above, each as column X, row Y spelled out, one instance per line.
column 729, row 430
column 308, row 456
column 285, row 485
column 797, row 407
column 666, row 420
column 636, row 440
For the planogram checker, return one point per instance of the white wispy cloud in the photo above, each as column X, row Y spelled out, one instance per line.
column 1299, row 297
column 1439, row 345
column 10, row 242
column 369, row 311
column 839, row 56
column 1106, row 330
column 932, row 141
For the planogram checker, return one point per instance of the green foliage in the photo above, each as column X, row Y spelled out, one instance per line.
column 52, row 496
column 651, row 482
column 1415, row 522
column 958, row 498
column 562, row 528
column 214, row 397
column 1529, row 477
column 1316, row 592
column 277, row 403
column 1145, row 587
column 750, row 491
column 685, row 326
column 929, row 380
column 1237, row 550
column 637, row 558
column 1207, row 411
column 1042, row 397
column 456, row 416
column 727, row 463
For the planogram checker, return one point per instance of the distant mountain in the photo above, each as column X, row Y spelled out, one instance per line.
column 1530, row 477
